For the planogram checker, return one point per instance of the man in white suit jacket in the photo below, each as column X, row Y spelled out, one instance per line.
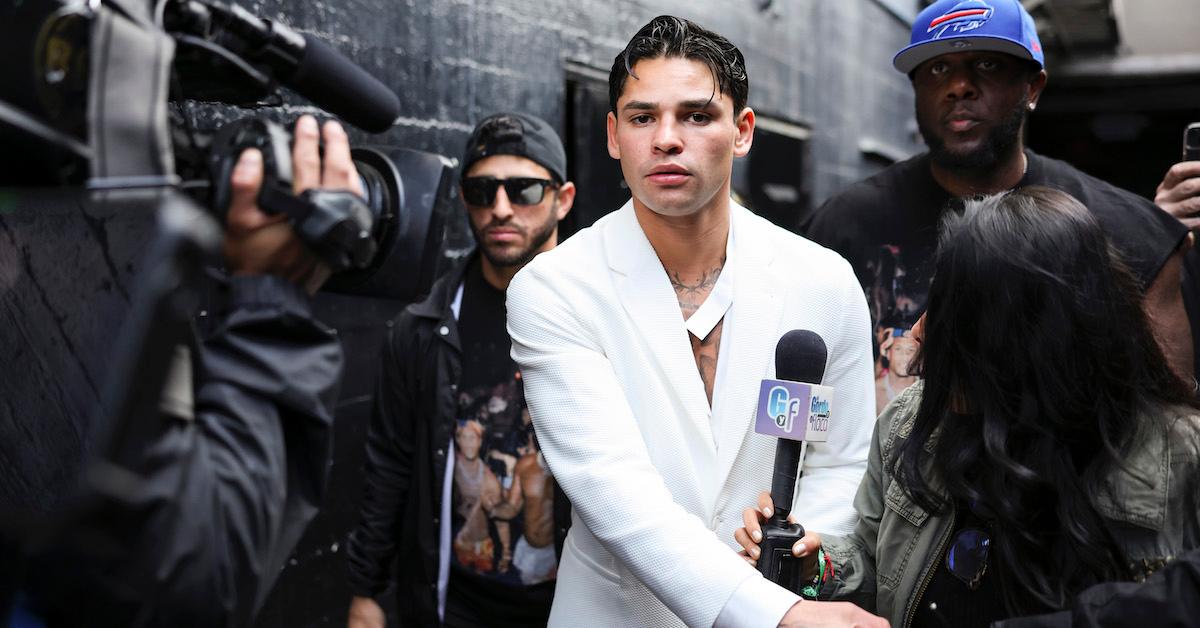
column 642, row 341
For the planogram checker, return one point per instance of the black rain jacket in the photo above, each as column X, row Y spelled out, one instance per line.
column 223, row 497
column 407, row 443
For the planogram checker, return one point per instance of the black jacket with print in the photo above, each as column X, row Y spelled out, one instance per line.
column 407, row 443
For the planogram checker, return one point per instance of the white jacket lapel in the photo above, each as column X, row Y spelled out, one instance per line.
column 646, row 294
column 754, row 331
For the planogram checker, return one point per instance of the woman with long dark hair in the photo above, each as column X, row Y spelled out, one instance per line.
column 1049, row 446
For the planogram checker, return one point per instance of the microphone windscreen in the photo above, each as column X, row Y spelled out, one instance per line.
column 335, row 83
column 800, row 357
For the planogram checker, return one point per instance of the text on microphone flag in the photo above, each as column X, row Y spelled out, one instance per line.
column 794, row 410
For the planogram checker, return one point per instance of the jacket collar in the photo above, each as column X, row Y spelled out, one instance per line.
column 1138, row 491
column 441, row 295
column 646, row 293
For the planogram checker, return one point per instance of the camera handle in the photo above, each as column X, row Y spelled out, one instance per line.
column 336, row 225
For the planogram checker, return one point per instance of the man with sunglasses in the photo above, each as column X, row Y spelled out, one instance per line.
column 456, row 485
column 644, row 340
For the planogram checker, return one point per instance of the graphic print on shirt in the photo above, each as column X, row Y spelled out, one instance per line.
column 503, row 525
column 897, row 290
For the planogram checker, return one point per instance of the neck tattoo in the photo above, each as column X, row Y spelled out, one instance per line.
column 691, row 295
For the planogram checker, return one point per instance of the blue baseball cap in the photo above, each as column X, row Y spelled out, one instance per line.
column 968, row 25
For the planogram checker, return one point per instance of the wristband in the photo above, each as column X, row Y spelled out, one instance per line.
column 813, row 589
column 824, row 573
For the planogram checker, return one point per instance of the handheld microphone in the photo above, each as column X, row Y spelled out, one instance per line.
column 794, row 408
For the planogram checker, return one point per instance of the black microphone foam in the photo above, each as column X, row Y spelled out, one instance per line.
column 799, row 357
column 333, row 82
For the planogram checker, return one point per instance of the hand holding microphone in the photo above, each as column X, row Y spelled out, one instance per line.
column 794, row 408
column 751, row 534
column 805, row 613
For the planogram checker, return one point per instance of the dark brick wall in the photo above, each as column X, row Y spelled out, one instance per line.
column 823, row 65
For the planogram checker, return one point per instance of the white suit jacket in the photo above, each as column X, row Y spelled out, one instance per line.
column 624, row 423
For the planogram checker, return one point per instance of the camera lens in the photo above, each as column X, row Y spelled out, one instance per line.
column 377, row 191
column 374, row 189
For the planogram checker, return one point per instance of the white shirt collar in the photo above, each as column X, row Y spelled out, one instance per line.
column 701, row 323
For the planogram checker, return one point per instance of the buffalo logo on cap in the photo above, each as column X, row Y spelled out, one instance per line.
column 962, row 17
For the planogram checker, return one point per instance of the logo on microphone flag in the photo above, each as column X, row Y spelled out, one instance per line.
column 793, row 410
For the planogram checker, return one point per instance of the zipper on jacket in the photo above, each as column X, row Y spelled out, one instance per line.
column 912, row 605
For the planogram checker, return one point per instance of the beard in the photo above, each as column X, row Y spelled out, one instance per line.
column 507, row 258
column 999, row 144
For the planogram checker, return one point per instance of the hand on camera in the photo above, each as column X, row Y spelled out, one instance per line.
column 1179, row 193
column 750, row 534
column 257, row 243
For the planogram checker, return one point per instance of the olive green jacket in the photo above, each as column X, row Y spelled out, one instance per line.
column 886, row 562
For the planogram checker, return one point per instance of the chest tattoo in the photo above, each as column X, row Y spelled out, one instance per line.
column 705, row 352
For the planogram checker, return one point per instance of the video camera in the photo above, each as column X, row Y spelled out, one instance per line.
column 96, row 95
column 113, row 190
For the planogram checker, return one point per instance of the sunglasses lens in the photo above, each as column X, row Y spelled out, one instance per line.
column 479, row 191
column 967, row 556
column 525, row 191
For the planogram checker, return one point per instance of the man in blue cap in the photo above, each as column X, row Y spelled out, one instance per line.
column 977, row 70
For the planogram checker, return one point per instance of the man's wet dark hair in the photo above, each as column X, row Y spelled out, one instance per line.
column 675, row 37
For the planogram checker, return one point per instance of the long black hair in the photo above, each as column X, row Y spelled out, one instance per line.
column 1038, row 360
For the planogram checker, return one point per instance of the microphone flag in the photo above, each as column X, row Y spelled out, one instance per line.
column 794, row 410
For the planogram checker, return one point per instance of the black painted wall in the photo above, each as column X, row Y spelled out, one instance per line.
column 823, row 65
column 820, row 68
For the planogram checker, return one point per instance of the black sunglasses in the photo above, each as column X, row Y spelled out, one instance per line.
column 968, row 555
column 481, row 191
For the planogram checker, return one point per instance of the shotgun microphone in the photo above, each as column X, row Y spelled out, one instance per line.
column 301, row 61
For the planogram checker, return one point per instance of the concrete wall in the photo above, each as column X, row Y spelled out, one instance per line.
column 821, row 63
column 1156, row 27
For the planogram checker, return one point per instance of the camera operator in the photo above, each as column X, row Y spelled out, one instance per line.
column 224, row 493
